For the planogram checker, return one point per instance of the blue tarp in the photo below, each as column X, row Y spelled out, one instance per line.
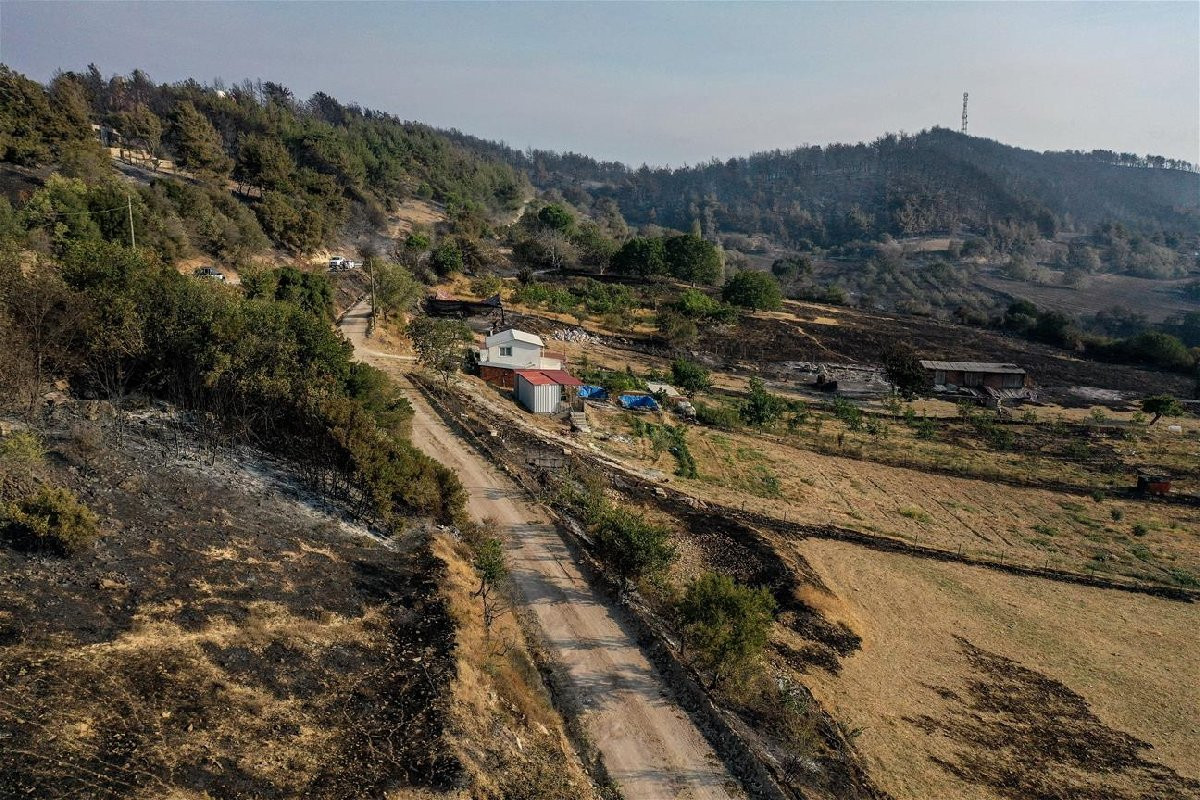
column 593, row 392
column 638, row 402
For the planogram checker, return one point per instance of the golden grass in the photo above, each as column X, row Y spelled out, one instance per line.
column 1131, row 657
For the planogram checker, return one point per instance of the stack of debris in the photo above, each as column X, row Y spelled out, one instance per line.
column 576, row 335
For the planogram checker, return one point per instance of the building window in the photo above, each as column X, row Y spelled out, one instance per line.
column 505, row 351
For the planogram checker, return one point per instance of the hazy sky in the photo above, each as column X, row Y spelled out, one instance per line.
column 674, row 82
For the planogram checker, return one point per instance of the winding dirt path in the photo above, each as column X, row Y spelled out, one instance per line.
column 651, row 748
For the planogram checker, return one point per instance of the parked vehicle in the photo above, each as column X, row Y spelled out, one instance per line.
column 339, row 264
column 212, row 273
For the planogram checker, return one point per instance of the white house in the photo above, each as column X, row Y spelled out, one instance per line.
column 512, row 350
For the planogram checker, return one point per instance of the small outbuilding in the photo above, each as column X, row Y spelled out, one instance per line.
column 976, row 375
column 543, row 391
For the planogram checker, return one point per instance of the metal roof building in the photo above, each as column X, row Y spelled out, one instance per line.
column 541, row 390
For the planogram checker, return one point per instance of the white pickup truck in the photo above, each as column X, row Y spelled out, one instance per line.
column 339, row 264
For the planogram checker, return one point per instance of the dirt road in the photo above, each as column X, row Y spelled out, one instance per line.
column 650, row 747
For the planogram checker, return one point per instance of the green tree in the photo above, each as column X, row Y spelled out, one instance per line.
column 692, row 259
column 690, row 376
column 263, row 161
column 492, row 571
column 556, row 217
column 309, row 291
column 141, row 128
column 641, row 257
column 396, row 289
column 440, row 344
column 1161, row 405
column 446, row 259
column 726, row 625
column 751, row 289
column 761, row 408
column 903, row 369
column 198, row 144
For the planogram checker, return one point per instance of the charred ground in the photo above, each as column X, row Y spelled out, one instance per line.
column 225, row 636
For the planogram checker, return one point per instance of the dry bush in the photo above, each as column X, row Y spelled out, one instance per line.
column 52, row 518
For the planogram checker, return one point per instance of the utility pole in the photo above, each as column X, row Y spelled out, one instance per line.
column 964, row 122
column 129, row 205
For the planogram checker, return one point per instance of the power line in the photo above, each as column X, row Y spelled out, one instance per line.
column 89, row 211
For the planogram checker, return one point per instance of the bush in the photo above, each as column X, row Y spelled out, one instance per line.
column 51, row 519
column 762, row 408
column 726, row 625
column 22, row 450
column 690, row 376
column 631, row 545
column 756, row 290
column 718, row 416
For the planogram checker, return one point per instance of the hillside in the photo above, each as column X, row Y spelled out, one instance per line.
column 304, row 169
column 937, row 181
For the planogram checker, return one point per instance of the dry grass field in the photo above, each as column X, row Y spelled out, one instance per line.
column 1143, row 540
column 974, row 684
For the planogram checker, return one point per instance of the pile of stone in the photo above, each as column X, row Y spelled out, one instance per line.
column 575, row 335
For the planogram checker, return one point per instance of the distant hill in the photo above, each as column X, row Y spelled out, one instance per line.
column 938, row 181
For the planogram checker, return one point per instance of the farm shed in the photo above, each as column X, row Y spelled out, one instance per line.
column 975, row 375
column 541, row 391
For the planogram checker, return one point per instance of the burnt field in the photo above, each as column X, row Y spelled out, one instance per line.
column 224, row 638
column 841, row 335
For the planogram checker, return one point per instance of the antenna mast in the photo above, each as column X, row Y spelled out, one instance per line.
column 964, row 124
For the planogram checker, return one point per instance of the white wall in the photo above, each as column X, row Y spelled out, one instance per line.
column 539, row 399
column 524, row 354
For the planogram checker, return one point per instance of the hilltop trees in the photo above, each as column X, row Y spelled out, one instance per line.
column 692, row 259
column 686, row 257
column 198, row 144
column 641, row 256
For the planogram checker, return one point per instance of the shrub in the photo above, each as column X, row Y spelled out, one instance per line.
column 22, row 450
column 50, row 519
column 631, row 545
column 718, row 416
column 726, row 625
column 762, row 408
column 751, row 289
column 690, row 376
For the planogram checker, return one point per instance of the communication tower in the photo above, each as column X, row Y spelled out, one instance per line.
column 964, row 125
